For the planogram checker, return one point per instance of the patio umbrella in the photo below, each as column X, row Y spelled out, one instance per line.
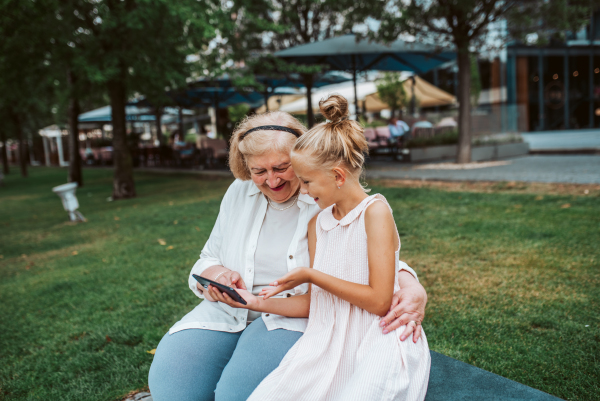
column 346, row 53
column 281, row 84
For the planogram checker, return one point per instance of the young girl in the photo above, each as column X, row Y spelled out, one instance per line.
column 354, row 252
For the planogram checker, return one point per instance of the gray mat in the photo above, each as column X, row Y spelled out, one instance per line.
column 453, row 380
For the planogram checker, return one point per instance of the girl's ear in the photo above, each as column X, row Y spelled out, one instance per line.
column 340, row 176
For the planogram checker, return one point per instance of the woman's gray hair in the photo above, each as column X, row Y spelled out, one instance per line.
column 261, row 141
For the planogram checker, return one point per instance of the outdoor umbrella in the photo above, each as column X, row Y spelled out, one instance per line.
column 346, row 53
column 426, row 94
column 281, row 84
column 217, row 97
column 297, row 81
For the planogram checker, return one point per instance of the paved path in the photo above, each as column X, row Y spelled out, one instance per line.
column 585, row 139
column 574, row 169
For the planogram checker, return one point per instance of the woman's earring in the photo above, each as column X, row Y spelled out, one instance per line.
column 338, row 187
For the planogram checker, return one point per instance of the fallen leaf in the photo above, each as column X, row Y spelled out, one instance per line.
column 152, row 351
column 74, row 253
column 566, row 206
column 108, row 339
column 175, row 222
column 162, row 241
column 2, row 256
column 105, row 261
column 518, row 206
column 587, row 191
column 539, row 197
column 117, row 218
column 197, row 228
column 171, row 203
column 169, row 247
column 24, row 256
column 27, row 267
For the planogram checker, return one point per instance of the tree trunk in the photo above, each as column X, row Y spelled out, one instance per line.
column 22, row 153
column 464, row 101
column 180, row 124
column 75, row 174
column 159, row 134
column 310, row 115
column 5, row 167
column 123, row 185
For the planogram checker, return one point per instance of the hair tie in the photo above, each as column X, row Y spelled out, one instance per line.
column 270, row 128
column 337, row 121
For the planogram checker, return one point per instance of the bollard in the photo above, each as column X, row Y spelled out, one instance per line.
column 69, row 200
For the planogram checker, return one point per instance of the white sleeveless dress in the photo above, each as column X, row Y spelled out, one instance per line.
column 343, row 354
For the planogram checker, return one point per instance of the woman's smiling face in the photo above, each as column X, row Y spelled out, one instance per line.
column 274, row 175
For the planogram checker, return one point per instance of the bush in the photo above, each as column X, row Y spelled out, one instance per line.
column 449, row 138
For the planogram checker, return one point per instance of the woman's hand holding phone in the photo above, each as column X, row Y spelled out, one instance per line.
column 223, row 276
column 252, row 300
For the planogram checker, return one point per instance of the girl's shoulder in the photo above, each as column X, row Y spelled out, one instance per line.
column 377, row 206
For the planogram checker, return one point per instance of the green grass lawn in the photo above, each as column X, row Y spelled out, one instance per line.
column 513, row 281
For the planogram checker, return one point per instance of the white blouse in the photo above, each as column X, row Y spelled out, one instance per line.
column 270, row 257
column 232, row 243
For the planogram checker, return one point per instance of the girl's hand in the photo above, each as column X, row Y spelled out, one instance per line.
column 252, row 300
column 408, row 305
column 294, row 278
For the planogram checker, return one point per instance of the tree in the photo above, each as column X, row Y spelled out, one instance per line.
column 267, row 26
column 68, row 58
column 141, row 45
column 391, row 91
column 4, row 155
column 25, row 89
column 465, row 23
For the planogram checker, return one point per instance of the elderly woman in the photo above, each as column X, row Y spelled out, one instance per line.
column 221, row 353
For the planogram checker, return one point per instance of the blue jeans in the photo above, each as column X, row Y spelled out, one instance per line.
column 199, row 365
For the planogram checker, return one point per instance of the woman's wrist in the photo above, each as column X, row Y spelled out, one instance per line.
column 219, row 275
column 406, row 279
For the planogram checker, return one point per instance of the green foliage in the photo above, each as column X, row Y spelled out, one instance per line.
column 548, row 20
column 26, row 78
column 373, row 124
column 448, row 138
column 391, row 91
column 510, row 288
column 238, row 112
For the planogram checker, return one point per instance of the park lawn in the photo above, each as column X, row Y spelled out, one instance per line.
column 512, row 278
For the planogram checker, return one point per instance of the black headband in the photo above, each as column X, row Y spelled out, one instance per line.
column 270, row 128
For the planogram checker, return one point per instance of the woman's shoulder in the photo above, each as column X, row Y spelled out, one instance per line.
column 238, row 192
column 240, row 188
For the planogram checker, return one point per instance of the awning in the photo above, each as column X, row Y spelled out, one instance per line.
column 427, row 95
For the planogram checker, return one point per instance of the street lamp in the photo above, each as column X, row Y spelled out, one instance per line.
column 69, row 200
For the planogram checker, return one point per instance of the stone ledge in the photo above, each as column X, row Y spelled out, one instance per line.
column 453, row 380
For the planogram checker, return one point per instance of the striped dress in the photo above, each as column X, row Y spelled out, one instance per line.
column 343, row 354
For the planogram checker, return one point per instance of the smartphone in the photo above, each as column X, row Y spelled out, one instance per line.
column 204, row 282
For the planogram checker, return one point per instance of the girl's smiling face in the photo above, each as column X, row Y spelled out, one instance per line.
column 274, row 175
column 316, row 183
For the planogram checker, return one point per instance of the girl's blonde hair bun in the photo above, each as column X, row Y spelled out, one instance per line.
column 334, row 108
column 339, row 142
